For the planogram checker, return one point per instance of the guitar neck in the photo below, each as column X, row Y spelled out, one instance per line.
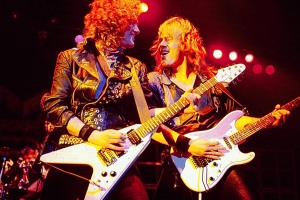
column 172, row 110
column 205, row 86
column 162, row 117
column 261, row 123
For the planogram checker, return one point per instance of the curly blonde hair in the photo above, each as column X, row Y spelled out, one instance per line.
column 189, row 37
column 108, row 20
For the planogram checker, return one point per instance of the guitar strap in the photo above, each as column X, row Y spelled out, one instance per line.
column 224, row 89
column 139, row 96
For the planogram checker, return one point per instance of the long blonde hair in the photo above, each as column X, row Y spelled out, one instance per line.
column 191, row 40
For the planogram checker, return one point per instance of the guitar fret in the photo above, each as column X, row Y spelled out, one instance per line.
column 156, row 123
column 205, row 86
column 163, row 116
column 166, row 116
column 261, row 123
column 170, row 111
column 140, row 132
column 146, row 129
column 183, row 103
column 153, row 125
column 209, row 84
column 173, row 110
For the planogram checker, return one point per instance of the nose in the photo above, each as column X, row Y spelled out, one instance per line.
column 163, row 47
column 163, row 43
column 135, row 29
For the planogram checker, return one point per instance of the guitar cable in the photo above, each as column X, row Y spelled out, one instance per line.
column 73, row 174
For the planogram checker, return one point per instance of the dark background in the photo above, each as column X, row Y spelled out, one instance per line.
column 33, row 32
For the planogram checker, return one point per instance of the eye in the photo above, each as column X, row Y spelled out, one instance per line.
column 169, row 38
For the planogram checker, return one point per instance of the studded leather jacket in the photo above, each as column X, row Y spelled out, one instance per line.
column 99, row 97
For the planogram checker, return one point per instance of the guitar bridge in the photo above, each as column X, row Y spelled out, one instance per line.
column 200, row 161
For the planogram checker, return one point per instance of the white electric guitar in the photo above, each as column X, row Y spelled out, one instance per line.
column 108, row 165
column 200, row 173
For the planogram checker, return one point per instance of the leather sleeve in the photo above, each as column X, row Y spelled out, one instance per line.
column 56, row 104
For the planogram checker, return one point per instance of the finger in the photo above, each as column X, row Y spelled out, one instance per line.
column 116, row 135
column 116, row 141
column 276, row 123
column 125, row 145
column 215, row 148
column 212, row 157
column 216, row 153
column 284, row 117
column 195, row 108
column 123, row 136
column 115, row 147
column 191, row 97
column 277, row 117
column 277, row 107
column 213, row 143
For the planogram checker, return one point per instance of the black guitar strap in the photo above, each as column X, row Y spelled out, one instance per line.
column 224, row 89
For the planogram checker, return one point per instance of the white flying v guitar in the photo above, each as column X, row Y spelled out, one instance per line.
column 200, row 173
column 108, row 165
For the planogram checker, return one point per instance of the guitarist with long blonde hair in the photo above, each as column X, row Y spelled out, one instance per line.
column 180, row 67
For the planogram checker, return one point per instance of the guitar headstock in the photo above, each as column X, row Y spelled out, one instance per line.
column 228, row 74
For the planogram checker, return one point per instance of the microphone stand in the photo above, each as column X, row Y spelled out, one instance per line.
column 2, row 190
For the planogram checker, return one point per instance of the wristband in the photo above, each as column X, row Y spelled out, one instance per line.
column 85, row 132
column 182, row 143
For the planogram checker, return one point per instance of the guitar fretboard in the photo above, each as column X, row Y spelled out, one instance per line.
column 172, row 110
column 261, row 123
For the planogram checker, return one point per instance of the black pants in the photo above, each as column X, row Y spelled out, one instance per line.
column 232, row 186
column 63, row 186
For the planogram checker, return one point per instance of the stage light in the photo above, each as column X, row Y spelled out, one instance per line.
column 257, row 69
column 14, row 16
column 53, row 20
column 233, row 56
column 144, row 7
column 270, row 69
column 249, row 58
column 79, row 38
column 217, row 54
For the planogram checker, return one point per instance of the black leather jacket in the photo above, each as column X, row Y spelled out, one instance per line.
column 78, row 89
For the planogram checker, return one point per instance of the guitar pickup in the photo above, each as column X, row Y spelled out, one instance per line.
column 227, row 143
column 107, row 156
column 134, row 137
column 199, row 162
